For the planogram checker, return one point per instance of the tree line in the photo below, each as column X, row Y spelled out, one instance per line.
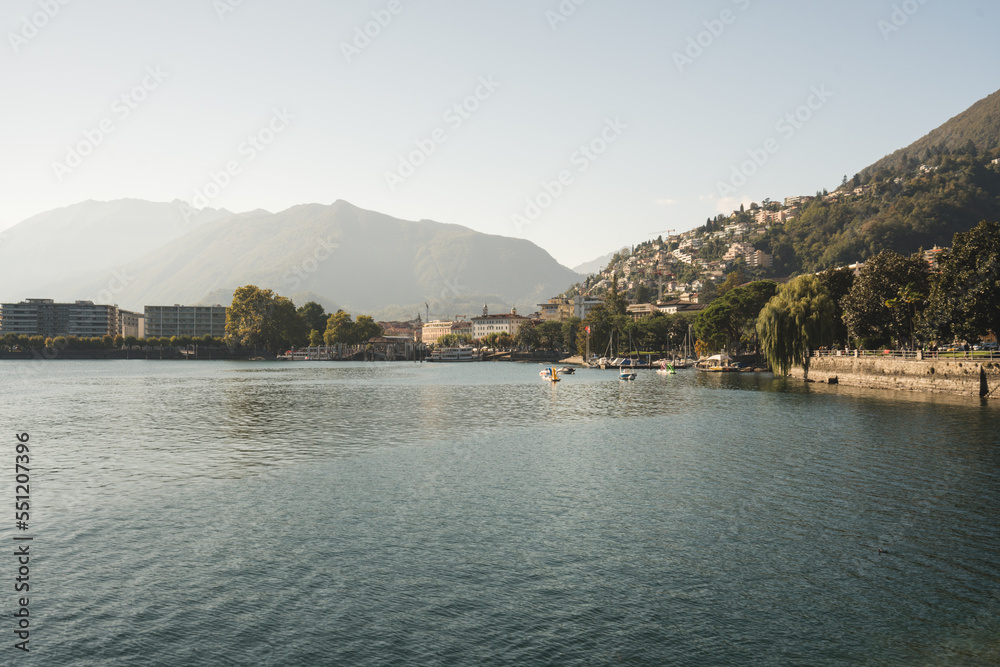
column 262, row 320
column 894, row 301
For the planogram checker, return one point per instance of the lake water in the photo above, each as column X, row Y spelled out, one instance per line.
column 216, row 513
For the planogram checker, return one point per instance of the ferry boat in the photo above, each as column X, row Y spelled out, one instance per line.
column 454, row 354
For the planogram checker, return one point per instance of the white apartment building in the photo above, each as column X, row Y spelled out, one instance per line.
column 178, row 320
column 488, row 324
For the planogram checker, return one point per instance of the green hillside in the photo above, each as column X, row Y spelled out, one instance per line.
column 978, row 127
column 918, row 197
column 898, row 210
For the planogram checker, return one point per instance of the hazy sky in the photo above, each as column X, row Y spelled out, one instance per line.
column 598, row 123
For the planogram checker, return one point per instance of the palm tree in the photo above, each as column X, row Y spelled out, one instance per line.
column 799, row 317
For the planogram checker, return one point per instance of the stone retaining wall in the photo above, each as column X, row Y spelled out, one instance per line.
column 963, row 377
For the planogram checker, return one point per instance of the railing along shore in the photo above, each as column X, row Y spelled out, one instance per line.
column 913, row 355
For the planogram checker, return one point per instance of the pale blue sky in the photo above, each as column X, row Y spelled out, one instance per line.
column 609, row 68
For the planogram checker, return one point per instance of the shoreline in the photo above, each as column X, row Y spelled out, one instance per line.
column 960, row 377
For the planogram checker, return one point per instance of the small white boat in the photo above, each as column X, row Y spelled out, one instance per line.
column 626, row 375
column 567, row 370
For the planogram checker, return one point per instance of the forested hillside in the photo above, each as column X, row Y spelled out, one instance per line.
column 921, row 205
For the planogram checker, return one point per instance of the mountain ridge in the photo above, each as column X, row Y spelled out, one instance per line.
column 363, row 260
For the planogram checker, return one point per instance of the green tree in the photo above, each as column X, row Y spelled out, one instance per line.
column 550, row 334
column 655, row 332
column 261, row 320
column 838, row 283
column 869, row 320
column 731, row 319
column 642, row 294
column 365, row 328
column 965, row 298
column 907, row 299
column 799, row 317
column 527, row 336
column 339, row 329
column 453, row 340
column 614, row 302
column 315, row 338
column 736, row 277
column 709, row 292
column 314, row 315
column 570, row 332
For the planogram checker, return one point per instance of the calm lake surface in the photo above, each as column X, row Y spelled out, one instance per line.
column 216, row 513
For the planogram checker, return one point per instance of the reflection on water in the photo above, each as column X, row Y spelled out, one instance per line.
column 323, row 513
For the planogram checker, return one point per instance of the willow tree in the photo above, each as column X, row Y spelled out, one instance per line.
column 799, row 317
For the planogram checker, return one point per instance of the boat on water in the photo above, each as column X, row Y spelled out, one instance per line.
column 626, row 374
column 454, row 354
column 666, row 368
column 567, row 370
column 550, row 374
column 717, row 363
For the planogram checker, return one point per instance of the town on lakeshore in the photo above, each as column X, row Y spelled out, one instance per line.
column 919, row 306
column 900, row 262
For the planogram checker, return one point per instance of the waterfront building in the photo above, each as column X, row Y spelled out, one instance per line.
column 412, row 329
column 45, row 317
column 433, row 331
column 560, row 309
column 488, row 324
column 178, row 320
column 130, row 324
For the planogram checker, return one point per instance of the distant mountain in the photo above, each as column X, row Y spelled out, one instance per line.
column 594, row 265
column 336, row 254
column 978, row 127
column 89, row 243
